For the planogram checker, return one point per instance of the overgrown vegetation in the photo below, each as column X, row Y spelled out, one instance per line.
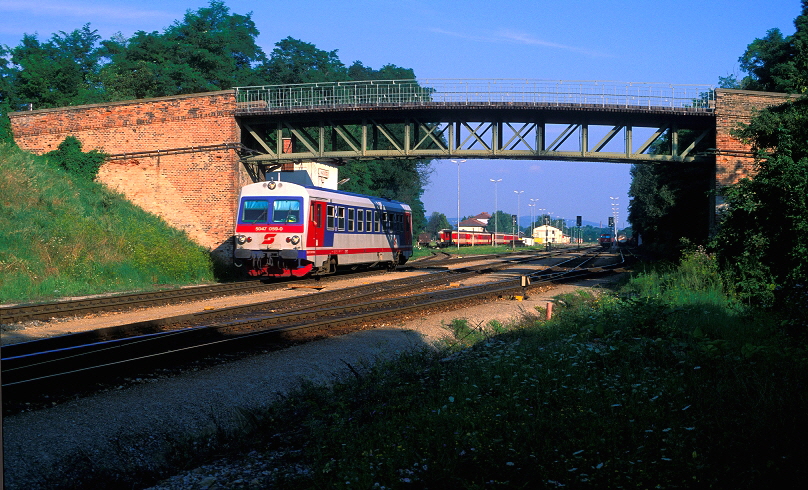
column 62, row 234
column 668, row 383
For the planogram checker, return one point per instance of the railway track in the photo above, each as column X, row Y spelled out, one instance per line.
column 78, row 359
column 122, row 302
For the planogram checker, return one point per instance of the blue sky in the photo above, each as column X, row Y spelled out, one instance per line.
column 682, row 42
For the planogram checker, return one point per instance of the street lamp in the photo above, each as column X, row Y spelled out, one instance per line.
column 497, row 181
column 544, row 222
column 458, row 162
column 615, row 214
column 532, row 206
column 518, row 195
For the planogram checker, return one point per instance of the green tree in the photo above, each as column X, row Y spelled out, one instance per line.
column 670, row 202
column 60, row 72
column 210, row 49
column 501, row 221
column 763, row 238
column 437, row 221
column 777, row 63
column 296, row 61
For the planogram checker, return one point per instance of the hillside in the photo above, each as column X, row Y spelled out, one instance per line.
column 64, row 236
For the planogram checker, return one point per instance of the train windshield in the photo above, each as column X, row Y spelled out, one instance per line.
column 254, row 210
column 286, row 211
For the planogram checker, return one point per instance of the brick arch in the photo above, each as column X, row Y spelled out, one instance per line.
column 194, row 191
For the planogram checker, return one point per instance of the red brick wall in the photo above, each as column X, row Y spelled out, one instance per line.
column 734, row 159
column 195, row 192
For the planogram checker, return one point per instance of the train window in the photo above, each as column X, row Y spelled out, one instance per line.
column 369, row 221
column 254, row 211
column 360, row 220
column 286, row 211
column 329, row 222
column 341, row 218
column 351, row 213
column 399, row 223
column 377, row 221
column 385, row 222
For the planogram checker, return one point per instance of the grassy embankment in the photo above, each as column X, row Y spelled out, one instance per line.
column 668, row 383
column 61, row 236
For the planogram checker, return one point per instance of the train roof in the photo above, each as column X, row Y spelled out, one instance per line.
column 318, row 191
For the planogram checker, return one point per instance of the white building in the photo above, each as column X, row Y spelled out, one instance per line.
column 549, row 234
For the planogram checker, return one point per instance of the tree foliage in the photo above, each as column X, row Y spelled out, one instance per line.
column 778, row 63
column 211, row 49
column 501, row 222
column 670, row 202
column 436, row 222
column 763, row 237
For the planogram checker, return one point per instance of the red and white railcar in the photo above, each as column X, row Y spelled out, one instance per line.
column 474, row 238
column 285, row 229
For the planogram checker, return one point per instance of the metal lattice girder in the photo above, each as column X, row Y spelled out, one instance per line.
column 451, row 132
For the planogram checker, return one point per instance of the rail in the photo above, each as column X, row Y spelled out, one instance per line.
column 468, row 92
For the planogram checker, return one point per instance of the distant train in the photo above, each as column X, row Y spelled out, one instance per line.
column 285, row 229
column 448, row 238
column 605, row 240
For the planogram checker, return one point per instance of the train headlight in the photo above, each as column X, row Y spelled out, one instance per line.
column 271, row 185
column 295, row 240
column 241, row 239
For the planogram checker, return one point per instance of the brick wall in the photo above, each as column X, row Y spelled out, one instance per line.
column 734, row 160
column 195, row 192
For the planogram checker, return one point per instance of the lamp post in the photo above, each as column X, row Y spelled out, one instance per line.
column 458, row 162
column 518, row 195
column 534, row 203
column 495, row 181
column 544, row 222
column 615, row 214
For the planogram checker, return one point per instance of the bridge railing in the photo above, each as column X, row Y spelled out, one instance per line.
column 387, row 93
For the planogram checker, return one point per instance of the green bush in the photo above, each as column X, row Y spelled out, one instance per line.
column 69, row 157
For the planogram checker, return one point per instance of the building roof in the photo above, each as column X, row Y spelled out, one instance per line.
column 472, row 222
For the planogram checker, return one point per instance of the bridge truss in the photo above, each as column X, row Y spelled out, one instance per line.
column 503, row 119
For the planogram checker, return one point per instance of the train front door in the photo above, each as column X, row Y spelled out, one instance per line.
column 316, row 236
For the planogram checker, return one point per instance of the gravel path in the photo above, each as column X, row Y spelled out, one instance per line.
column 139, row 417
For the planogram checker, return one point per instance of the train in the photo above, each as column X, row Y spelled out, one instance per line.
column 447, row 238
column 285, row 229
column 605, row 240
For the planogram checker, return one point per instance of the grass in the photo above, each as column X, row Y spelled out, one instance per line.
column 62, row 236
column 665, row 384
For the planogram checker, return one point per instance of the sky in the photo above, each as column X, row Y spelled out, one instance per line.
column 682, row 42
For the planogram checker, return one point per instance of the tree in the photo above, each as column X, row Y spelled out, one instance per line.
column 777, row 63
column 60, row 72
column 763, row 238
column 211, row 49
column 670, row 202
column 437, row 221
column 501, row 221
column 296, row 61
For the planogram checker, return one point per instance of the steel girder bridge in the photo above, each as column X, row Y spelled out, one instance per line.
column 475, row 119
